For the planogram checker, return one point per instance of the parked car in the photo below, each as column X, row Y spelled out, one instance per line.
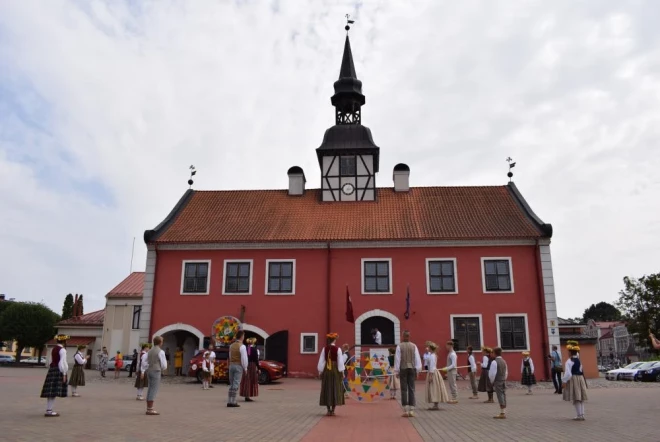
column 631, row 375
column 617, row 374
column 34, row 360
column 6, row 359
column 603, row 369
column 269, row 371
column 651, row 374
column 128, row 360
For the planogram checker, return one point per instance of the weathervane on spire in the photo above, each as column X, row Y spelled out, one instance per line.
column 348, row 23
column 511, row 166
column 192, row 174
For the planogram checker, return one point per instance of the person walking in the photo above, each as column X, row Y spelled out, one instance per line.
column 406, row 364
column 133, row 366
column 498, row 375
column 238, row 365
column 77, row 378
column 103, row 361
column 556, row 370
column 330, row 368
column 153, row 364
column 55, row 383
column 451, row 369
column 472, row 372
column 141, row 382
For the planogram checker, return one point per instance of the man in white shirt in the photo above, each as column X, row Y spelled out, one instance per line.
column 427, row 355
column 406, row 364
column 212, row 355
column 238, row 365
column 451, row 369
column 472, row 372
column 153, row 364
column 498, row 374
column 378, row 337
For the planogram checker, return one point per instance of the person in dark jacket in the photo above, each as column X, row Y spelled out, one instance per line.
column 134, row 362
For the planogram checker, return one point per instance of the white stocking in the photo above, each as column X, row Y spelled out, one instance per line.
column 49, row 403
column 581, row 408
column 577, row 408
column 140, row 390
column 73, row 390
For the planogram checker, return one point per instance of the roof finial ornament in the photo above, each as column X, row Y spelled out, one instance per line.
column 192, row 174
column 348, row 22
column 511, row 166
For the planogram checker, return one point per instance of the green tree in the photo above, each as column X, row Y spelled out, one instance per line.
column 603, row 311
column 640, row 303
column 29, row 324
column 67, row 309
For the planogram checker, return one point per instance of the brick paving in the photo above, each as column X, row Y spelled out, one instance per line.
column 288, row 411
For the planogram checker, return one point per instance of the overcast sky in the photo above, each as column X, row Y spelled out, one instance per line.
column 104, row 105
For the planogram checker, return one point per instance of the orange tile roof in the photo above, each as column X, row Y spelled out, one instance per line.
column 93, row 318
column 131, row 287
column 75, row 340
column 424, row 213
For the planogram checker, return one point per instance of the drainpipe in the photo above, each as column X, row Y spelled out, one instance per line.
column 544, row 318
column 327, row 291
column 153, row 299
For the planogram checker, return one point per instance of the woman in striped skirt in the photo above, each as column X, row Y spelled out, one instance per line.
column 77, row 378
column 55, row 383
column 250, row 382
column 141, row 382
column 575, row 386
column 331, row 367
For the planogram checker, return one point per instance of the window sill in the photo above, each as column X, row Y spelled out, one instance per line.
column 279, row 294
column 441, row 293
column 236, row 294
column 195, row 294
column 376, row 293
column 503, row 292
column 309, row 352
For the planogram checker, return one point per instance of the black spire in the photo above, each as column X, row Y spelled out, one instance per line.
column 348, row 98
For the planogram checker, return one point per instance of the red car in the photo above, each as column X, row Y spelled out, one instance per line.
column 268, row 370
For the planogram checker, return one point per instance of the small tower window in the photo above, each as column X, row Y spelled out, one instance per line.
column 347, row 166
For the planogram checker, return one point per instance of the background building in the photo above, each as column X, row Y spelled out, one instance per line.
column 123, row 309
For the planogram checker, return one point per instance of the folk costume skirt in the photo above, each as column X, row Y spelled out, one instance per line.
column 528, row 377
column 77, row 378
column 394, row 382
column 484, row 382
column 54, row 385
column 141, row 382
column 435, row 388
column 576, row 389
column 332, row 390
column 250, row 382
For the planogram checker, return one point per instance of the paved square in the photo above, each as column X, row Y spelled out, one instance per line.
column 288, row 411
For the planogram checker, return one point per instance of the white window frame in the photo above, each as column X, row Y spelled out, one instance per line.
column 316, row 343
column 428, row 277
column 293, row 277
column 468, row 315
column 483, row 273
column 224, row 276
column 389, row 263
column 183, row 276
column 499, row 338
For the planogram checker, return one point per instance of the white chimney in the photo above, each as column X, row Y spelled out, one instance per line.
column 296, row 181
column 401, row 177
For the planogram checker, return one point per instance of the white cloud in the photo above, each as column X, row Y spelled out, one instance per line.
column 104, row 105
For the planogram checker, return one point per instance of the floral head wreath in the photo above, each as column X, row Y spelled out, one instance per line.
column 432, row 345
column 251, row 340
column 572, row 346
column 525, row 353
column 62, row 338
column 332, row 336
column 145, row 345
column 486, row 349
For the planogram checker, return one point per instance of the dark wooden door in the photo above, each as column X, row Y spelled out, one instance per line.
column 277, row 347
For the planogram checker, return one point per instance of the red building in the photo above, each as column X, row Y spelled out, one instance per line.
column 475, row 261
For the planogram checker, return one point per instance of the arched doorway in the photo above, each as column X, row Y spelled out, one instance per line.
column 185, row 336
column 384, row 325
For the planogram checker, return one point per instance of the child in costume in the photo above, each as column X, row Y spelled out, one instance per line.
column 435, row 385
column 394, row 381
column 55, row 383
column 484, row 381
column 574, row 384
column 77, row 378
column 207, row 369
column 527, row 372
column 141, row 382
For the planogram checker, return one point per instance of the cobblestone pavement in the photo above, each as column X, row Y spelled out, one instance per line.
column 288, row 411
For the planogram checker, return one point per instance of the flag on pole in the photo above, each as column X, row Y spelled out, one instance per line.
column 349, row 307
column 407, row 313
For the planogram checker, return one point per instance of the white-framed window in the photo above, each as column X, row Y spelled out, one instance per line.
column 280, row 277
column 137, row 311
column 195, row 277
column 309, row 343
column 497, row 274
column 467, row 329
column 237, row 277
column 441, row 276
column 376, row 276
column 512, row 331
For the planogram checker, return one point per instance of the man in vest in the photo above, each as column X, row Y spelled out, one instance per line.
column 153, row 364
column 406, row 364
column 238, row 364
column 498, row 374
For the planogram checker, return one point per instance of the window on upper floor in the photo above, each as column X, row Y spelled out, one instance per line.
column 137, row 311
column 347, row 166
column 195, row 277
column 377, row 276
column 238, row 277
column 441, row 275
column 512, row 332
column 466, row 331
column 497, row 275
column 281, row 278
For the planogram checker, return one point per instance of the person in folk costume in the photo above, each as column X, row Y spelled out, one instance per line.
column 103, row 361
column 141, row 382
column 485, row 385
column 250, row 382
column 451, row 369
column 407, row 364
column 472, row 372
column 498, row 375
column 153, row 365
column 344, row 350
column 574, row 384
column 238, row 366
column 77, row 378
column 331, row 367
column 527, row 372
column 55, row 384
column 435, row 385
column 394, row 381
column 207, row 370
